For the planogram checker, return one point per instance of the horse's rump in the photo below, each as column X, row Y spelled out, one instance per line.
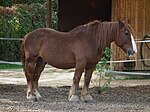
column 52, row 46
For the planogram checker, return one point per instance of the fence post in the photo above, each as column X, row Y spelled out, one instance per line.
column 48, row 24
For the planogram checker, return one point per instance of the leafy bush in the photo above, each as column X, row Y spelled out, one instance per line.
column 6, row 3
column 102, row 67
column 54, row 21
column 9, row 3
column 20, row 19
column 10, row 50
column 17, row 24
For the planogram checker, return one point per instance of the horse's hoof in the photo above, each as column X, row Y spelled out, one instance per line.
column 34, row 97
column 37, row 95
column 31, row 98
column 87, row 98
column 73, row 98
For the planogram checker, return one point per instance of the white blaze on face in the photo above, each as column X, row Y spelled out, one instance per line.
column 133, row 43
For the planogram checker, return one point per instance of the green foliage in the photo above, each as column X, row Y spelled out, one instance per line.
column 54, row 14
column 5, row 3
column 25, row 19
column 30, row 1
column 10, row 50
column 106, row 86
column 33, row 16
column 20, row 19
column 17, row 24
column 103, row 66
column 107, row 53
column 9, row 3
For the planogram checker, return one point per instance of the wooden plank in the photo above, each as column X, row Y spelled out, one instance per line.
column 128, row 11
column 48, row 23
column 137, row 11
column 122, row 10
column 132, row 18
column 147, row 29
column 117, row 6
column 147, row 16
column 114, row 10
column 140, row 18
column 132, row 10
column 135, row 16
column 140, row 32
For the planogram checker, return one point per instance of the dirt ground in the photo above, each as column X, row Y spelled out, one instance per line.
column 125, row 95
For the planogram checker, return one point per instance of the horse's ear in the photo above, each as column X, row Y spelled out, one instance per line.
column 121, row 24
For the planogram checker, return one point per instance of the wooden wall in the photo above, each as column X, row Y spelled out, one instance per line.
column 72, row 13
column 137, row 12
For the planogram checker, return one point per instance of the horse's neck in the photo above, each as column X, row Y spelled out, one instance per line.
column 105, row 35
column 102, row 33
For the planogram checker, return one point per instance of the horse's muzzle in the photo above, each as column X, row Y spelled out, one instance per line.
column 131, row 53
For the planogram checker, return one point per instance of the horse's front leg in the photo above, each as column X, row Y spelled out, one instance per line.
column 80, row 65
column 85, row 95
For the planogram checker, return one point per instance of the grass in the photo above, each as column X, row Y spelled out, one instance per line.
column 10, row 66
column 136, row 77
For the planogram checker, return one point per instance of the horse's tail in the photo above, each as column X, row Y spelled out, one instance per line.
column 23, row 57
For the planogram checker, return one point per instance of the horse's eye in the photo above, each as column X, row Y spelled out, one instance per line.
column 126, row 33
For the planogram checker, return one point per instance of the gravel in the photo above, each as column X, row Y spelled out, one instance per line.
column 120, row 98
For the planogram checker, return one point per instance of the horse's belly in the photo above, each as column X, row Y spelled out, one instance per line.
column 63, row 65
column 60, row 61
column 59, row 58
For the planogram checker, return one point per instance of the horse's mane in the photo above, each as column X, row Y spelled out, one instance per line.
column 91, row 26
column 93, row 22
column 103, row 32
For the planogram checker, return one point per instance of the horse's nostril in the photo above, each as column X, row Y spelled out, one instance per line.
column 130, row 52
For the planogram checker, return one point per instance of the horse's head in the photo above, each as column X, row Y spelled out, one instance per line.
column 125, row 39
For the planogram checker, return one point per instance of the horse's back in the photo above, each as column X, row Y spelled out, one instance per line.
column 42, row 33
column 35, row 38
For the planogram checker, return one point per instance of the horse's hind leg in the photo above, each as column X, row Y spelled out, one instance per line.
column 40, row 65
column 32, row 76
column 30, row 66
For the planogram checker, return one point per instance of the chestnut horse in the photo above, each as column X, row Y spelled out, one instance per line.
column 80, row 48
